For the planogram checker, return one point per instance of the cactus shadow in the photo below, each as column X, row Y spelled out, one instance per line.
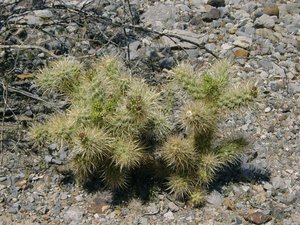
column 240, row 172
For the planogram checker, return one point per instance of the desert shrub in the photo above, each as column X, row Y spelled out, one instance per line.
column 118, row 124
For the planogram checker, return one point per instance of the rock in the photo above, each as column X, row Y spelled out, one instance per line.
column 196, row 20
column 133, row 48
column 267, row 34
column 243, row 42
column 44, row 14
column 268, row 109
column 276, row 85
column 73, row 214
column 256, row 217
column 215, row 198
column 48, row 158
column 143, row 221
column 29, row 113
column 277, row 182
column 240, row 53
column 173, row 207
column 98, row 205
column 293, row 8
column 33, row 20
column 293, row 88
column 213, row 14
column 167, row 63
column 53, row 147
column 271, row 10
column 264, row 21
column 216, row 3
column 163, row 13
column 169, row 215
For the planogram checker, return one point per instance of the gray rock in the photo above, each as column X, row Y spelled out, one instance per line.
column 152, row 208
column 293, row 8
column 133, row 48
column 173, row 207
column 143, row 221
column 44, row 14
column 276, row 85
column 265, row 21
column 243, row 42
column 268, row 34
column 73, row 214
column 56, row 161
column 213, row 14
column 167, row 63
column 3, row 179
column 48, row 158
column 33, row 20
column 163, row 13
column 293, row 88
column 169, row 215
column 268, row 186
column 73, row 27
column 277, row 182
column 215, row 198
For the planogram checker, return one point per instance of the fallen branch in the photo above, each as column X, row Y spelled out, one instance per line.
column 25, row 93
column 30, row 47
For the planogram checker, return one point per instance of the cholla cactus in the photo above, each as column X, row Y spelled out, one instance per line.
column 118, row 125
column 60, row 76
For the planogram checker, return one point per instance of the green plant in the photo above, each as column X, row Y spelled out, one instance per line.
column 118, row 125
column 60, row 76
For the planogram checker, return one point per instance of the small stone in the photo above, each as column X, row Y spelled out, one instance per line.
column 268, row 109
column 293, row 88
column 169, row 215
column 276, row 85
column 73, row 214
column 44, row 14
column 264, row 21
column 243, row 42
column 29, row 113
column 256, row 217
column 53, row 147
column 30, row 199
column 143, row 221
column 63, row 196
column 167, row 63
column 240, row 53
column 173, row 207
column 215, row 198
column 271, row 10
column 216, row 3
column 213, row 14
column 48, row 158
column 268, row 186
column 277, row 182
column 79, row 198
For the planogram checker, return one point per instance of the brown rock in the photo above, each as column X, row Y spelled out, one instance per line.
column 240, row 53
column 98, row 205
column 229, row 203
column 256, row 217
column 271, row 10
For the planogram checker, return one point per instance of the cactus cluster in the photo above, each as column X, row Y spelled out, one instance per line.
column 117, row 124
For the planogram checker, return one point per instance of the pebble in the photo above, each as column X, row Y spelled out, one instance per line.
column 173, row 207
column 265, row 21
column 215, row 198
column 73, row 214
column 169, row 215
